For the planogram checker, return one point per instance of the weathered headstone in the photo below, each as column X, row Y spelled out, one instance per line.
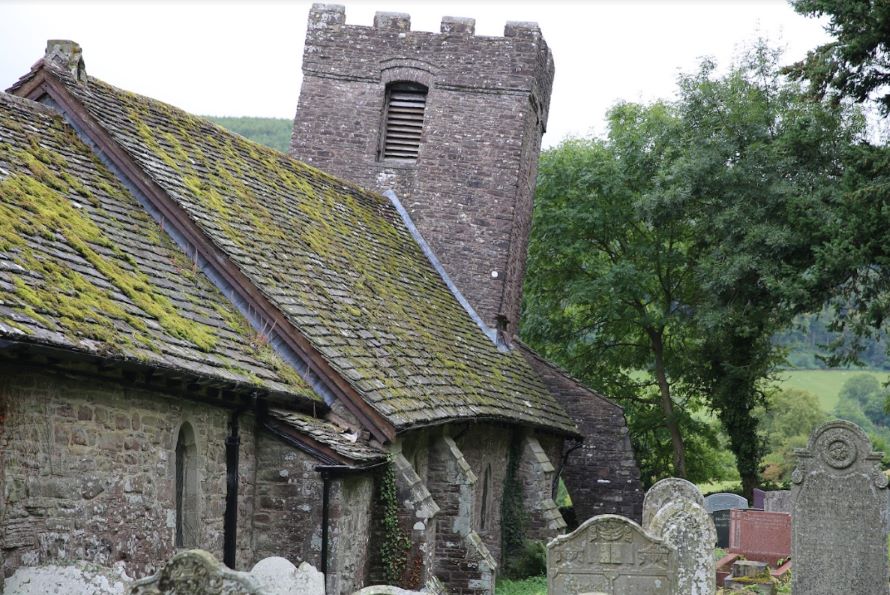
column 278, row 576
column 839, row 505
column 761, row 536
column 777, row 501
column 688, row 528
column 724, row 501
column 669, row 490
column 613, row 555
column 757, row 499
column 719, row 506
column 196, row 572
column 750, row 576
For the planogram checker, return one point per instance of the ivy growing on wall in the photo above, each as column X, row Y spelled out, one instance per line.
column 395, row 543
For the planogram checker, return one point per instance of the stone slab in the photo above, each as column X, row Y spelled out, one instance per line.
column 721, row 525
column 757, row 498
column 761, row 536
column 688, row 528
column 839, row 504
column 724, row 501
column 612, row 555
column 669, row 490
column 777, row 501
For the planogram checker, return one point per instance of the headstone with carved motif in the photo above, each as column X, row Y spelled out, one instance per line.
column 196, row 572
column 839, row 507
column 613, row 555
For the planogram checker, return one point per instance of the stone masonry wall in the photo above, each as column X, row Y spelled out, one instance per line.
column 350, row 533
column 470, row 190
column 536, row 474
column 487, row 447
column 602, row 476
column 462, row 561
column 288, row 503
column 89, row 473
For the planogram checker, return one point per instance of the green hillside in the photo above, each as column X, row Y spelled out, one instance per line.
column 825, row 384
column 272, row 132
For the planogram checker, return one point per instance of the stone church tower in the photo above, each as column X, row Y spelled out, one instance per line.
column 449, row 121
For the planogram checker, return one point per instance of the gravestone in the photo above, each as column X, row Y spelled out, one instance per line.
column 719, row 506
column 278, row 576
column 196, row 572
column 839, row 504
column 688, row 528
column 757, row 499
column 613, row 555
column 761, row 536
column 669, row 490
column 716, row 502
column 777, row 501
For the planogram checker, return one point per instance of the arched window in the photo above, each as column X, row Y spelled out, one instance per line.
column 186, row 488
column 403, row 121
column 486, row 490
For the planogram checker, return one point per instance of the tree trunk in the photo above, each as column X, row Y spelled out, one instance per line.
column 667, row 405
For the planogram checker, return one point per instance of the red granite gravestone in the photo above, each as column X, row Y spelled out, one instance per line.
column 760, row 536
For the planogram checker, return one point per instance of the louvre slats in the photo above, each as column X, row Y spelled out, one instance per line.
column 404, row 122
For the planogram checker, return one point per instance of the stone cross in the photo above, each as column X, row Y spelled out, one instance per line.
column 839, row 507
column 682, row 522
column 610, row 554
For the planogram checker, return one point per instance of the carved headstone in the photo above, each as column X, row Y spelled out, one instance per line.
column 688, row 528
column 612, row 555
column 777, row 501
column 669, row 490
column 839, row 506
column 196, row 572
column 719, row 506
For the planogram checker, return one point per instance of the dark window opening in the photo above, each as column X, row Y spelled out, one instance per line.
column 486, row 481
column 186, row 488
column 403, row 121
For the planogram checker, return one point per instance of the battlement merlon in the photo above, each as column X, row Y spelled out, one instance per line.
column 520, row 62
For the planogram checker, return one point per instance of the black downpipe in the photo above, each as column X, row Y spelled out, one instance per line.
column 230, row 526
column 325, row 514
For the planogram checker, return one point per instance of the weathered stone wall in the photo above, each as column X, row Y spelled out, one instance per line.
column 89, row 472
column 601, row 475
column 470, row 189
column 350, row 533
column 288, row 503
column 486, row 447
column 536, row 474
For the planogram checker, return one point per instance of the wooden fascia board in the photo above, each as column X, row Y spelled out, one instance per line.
column 379, row 426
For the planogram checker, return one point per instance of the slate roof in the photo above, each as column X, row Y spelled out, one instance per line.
column 337, row 260
column 345, row 443
column 83, row 267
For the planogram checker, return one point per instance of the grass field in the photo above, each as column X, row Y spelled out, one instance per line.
column 825, row 384
column 530, row 586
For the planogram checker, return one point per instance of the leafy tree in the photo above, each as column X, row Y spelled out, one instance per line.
column 786, row 420
column 272, row 132
column 857, row 63
column 665, row 257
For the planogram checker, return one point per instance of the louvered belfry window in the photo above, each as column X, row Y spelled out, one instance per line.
column 405, row 104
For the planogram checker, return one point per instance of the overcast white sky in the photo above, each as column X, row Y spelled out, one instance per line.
column 243, row 58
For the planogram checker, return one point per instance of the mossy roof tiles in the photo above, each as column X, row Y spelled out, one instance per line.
column 342, row 441
column 337, row 260
column 83, row 267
